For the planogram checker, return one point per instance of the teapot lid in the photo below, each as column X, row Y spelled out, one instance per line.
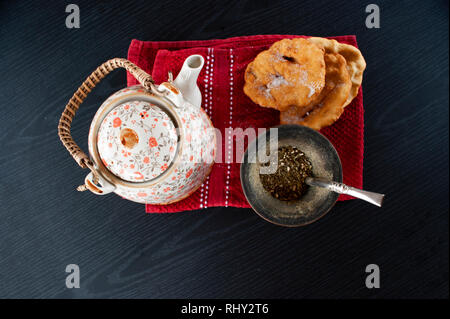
column 137, row 141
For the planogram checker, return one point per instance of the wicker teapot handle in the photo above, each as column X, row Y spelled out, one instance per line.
column 74, row 103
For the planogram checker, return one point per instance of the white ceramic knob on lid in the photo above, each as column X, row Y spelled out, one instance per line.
column 137, row 141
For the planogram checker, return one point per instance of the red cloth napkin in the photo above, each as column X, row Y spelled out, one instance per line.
column 221, row 82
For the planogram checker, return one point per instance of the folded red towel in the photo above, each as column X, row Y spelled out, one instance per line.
column 221, row 82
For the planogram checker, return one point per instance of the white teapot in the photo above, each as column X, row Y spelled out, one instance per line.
column 147, row 143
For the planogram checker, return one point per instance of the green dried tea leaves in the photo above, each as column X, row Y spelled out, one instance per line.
column 288, row 182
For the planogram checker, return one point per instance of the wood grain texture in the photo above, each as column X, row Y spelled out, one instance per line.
column 230, row 253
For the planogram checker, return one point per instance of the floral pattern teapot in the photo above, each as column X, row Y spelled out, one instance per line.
column 147, row 143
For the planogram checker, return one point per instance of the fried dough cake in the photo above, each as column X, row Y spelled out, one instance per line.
column 355, row 62
column 338, row 85
column 290, row 72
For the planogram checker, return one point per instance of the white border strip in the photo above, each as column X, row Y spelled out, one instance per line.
column 209, row 72
column 229, row 150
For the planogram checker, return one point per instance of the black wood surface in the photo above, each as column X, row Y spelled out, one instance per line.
column 221, row 252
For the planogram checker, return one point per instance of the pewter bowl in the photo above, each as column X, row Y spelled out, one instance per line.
column 316, row 202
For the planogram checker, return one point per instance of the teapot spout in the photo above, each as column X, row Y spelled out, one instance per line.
column 186, row 80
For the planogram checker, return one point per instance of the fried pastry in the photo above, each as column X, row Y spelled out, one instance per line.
column 355, row 62
column 333, row 97
column 290, row 72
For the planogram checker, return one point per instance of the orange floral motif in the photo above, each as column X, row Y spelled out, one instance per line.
column 161, row 148
column 152, row 142
column 143, row 114
column 139, row 175
column 117, row 122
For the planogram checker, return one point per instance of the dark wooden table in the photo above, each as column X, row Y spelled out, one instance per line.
column 221, row 252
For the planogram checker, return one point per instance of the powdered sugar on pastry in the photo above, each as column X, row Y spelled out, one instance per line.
column 303, row 80
column 291, row 72
column 277, row 81
column 332, row 97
